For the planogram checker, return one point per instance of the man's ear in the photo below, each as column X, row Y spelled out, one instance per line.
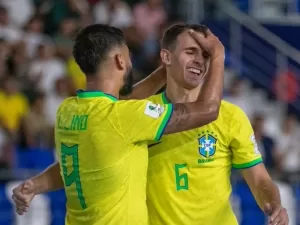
column 165, row 56
column 120, row 62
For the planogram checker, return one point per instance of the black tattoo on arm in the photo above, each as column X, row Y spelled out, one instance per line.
column 179, row 118
column 188, row 116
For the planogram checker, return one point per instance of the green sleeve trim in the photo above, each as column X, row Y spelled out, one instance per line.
column 164, row 123
column 247, row 165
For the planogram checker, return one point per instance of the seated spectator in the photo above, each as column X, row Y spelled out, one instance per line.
column 118, row 13
column 45, row 69
column 8, row 32
column 18, row 63
column 54, row 99
column 19, row 11
column 4, row 54
column 64, row 38
column 60, row 10
column 149, row 18
column 114, row 13
column 13, row 105
column 33, row 35
column 235, row 96
column 36, row 130
column 266, row 145
column 288, row 143
column 76, row 75
column 6, row 157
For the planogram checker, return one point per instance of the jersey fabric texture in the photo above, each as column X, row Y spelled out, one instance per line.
column 101, row 145
column 189, row 172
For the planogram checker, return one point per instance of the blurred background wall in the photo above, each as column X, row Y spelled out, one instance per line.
column 37, row 72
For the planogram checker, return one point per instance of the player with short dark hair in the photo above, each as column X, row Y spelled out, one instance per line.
column 101, row 142
column 189, row 172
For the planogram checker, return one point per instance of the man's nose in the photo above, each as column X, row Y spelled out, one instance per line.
column 199, row 60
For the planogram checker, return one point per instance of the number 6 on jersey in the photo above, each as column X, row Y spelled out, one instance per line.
column 182, row 182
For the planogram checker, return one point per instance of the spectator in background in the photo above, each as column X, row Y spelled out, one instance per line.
column 149, row 19
column 93, row 2
column 266, row 145
column 6, row 160
column 64, row 9
column 19, row 11
column 13, row 105
column 36, row 132
column 3, row 152
column 8, row 32
column 288, row 148
column 34, row 36
column 54, row 99
column 46, row 68
column 64, row 38
column 118, row 13
column 114, row 13
column 18, row 63
column 236, row 96
column 4, row 54
column 77, row 77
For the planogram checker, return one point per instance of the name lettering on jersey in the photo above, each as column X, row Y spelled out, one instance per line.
column 207, row 146
column 154, row 110
column 73, row 123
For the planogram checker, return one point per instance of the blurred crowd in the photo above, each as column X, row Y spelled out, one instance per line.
column 37, row 71
column 278, row 142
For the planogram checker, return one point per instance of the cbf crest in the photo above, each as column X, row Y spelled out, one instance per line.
column 207, row 144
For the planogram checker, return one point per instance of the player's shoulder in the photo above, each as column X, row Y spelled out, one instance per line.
column 150, row 108
column 154, row 99
column 230, row 111
column 157, row 99
column 65, row 104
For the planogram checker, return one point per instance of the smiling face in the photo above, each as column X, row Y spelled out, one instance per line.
column 187, row 62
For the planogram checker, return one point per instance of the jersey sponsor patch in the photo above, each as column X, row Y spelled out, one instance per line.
column 253, row 140
column 154, row 110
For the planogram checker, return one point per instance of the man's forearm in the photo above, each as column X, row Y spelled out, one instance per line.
column 213, row 86
column 266, row 192
column 48, row 180
column 148, row 86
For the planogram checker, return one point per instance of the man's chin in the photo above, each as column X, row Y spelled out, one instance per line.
column 125, row 90
column 192, row 84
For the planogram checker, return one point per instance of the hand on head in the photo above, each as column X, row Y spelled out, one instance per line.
column 211, row 44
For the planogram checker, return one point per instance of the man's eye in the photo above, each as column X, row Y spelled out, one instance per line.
column 205, row 55
column 190, row 52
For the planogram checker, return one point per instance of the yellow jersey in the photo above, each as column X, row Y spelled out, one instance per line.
column 189, row 172
column 77, row 76
column 13, row 108
column 101, row 145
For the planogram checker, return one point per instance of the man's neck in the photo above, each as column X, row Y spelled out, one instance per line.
column 177, row 94
column 105, row 86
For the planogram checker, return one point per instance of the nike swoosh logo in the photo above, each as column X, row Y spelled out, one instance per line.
column 149, row 146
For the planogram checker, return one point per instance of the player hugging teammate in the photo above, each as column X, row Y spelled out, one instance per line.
column 103, row 162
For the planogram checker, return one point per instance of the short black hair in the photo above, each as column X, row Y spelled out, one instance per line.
column 92, row 45
column 170, row 35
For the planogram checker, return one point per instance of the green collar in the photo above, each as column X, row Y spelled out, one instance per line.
column 95, row 94
column 165, row 98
